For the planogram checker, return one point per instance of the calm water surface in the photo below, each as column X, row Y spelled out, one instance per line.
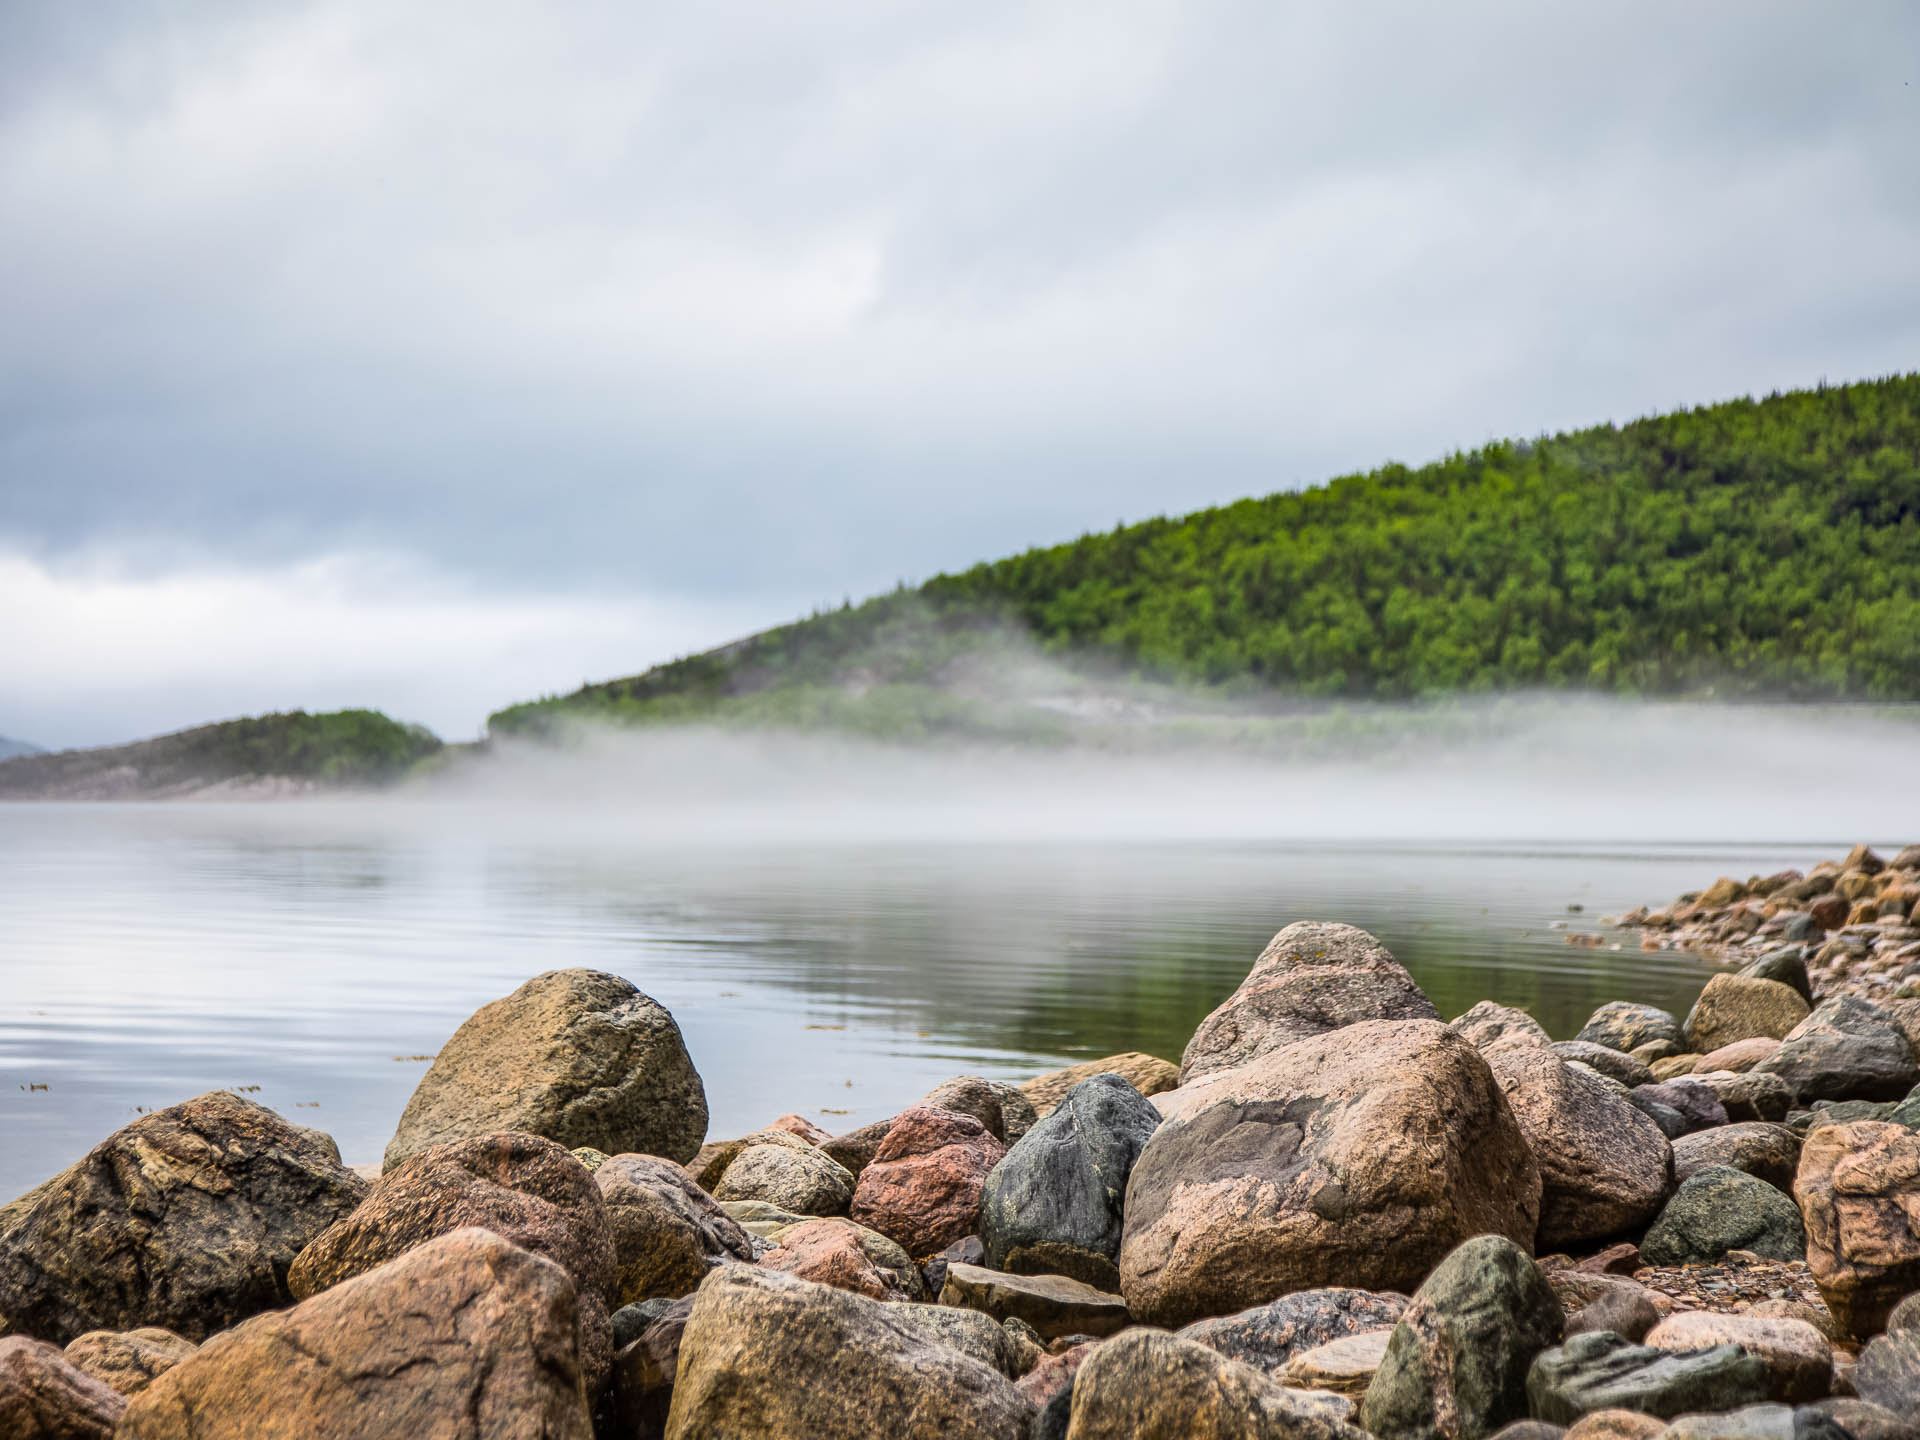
column 313, row 956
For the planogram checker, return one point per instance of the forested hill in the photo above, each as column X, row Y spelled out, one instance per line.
column 1758, row 546
column 291, row 752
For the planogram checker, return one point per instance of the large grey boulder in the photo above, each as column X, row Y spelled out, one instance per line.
column 1602, row 1371
column 1605, row 1168
column 1721, row 1209
column 1358, row 1157
column 1268, row 1336
column 1456, row 1365
column 1312, row 978
column 578, row 1056
column 186, row 1219
column 467, row 1335
column 778, row 1358
column 1847, row 1049
column 1052, row 1205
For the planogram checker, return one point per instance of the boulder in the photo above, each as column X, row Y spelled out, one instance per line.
column 968, row 1331
column 1268, row 1336
column 1786, row 964
column 468, row 1325
column 1616, row 1425
column 1362, row 1156
column 1749, row 1422
column 1345, row 1366
column 1720, row 1209
column 1905, row 1315
column 1630, row 1313
column 1766, row 1151
column 804, row 1181
column 186, row 1219
column 1053, row 1203
column 1677, row 1064
column 1578, row 1289
column 1053, row 1305
column 577, row 1056
column 1847, row 1049
column 855, row 1149
column 1623, row 1026
column 1146, row 1073
column 1798, row 1358
column 1456, row 1366
column 975, row 1096
column 1489, row 1026
column 1148, row 1385
column 1610, row 1063
column 1859, row 1189
column 779, row 1358
column 924, row 1187
column 1313, row 978
column 643, row 1373
column 1599, row 1371
column 522, row 1188
column 1698, row 1104
column 709, row 1166
column 667, row 1232
column 1604, row 1166
column 1847, row 1418
column 799, row 1127
column 1889, row 1371
column 760, row 1219
column 1739, row 1007
column 42, row 1397
column 847, row 1256
column 1017, row 1112
column 1748, row 1095
column 128, row 1360
column 1739, row 1057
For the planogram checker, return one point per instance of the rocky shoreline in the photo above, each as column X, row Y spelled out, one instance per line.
column 1340, row 1215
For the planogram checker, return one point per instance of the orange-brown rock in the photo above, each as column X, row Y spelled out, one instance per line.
column 467, row 1334
column 667, row 1232
column 1738, row 1057
column 1360, row 1157
column 803, row 1127
column 924, row 1186
column 1859, row 1192
column 128, row 1360
column 847, row 1256
column 42, row 1397
column 1148, row 1074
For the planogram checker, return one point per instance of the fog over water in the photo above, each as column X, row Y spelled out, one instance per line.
column 839, row 925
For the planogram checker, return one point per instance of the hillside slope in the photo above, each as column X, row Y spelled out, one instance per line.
column 284, row 753
column 1751, row 547
column 10, row 748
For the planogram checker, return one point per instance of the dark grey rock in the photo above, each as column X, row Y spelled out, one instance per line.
column 1720, row 1209
column 1847, row 1049
column 1766, row 1151
column 1671, row 1122
column 1697, row 1102
column 1456, row 1364
column 1624, row 1311
column 1889, row 1371
column 1787, row 964
column 1052, row 1206
column 1269, row 1335
column 1622, row 1025
column 1748, row 1095
column 1905, row 1315
column 1610, row 1063
column 1602, row 1371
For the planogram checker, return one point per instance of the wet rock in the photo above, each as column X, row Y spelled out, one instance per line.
column 1489, row 1026
column 1889, row 1371
column 1623, row 1312
column 466, row 1325
column 1720, row 1209
column 1739, row 1057
column 1456, row 1366
column 1786, row 964
column 187, row 1219
column 128, row 1360
column 805, row 1181
column 667, row 1231
column 1610, row 1063
column 42, row 1397
column 924, row 1186
column 1313, row 978
column 1698, row 1104
column 848, row 1257
column 1604, row 1166
column 1053, row 1204
column 1052, row 1304
column 779, row 1358
column 1859, row 1189
column 1847, row 1049
column 1146, row 1073
column 1268, row 1336
column 1147, row 1385
column 1748, row 1095
column 1798, row 1358
column 577, row 1056
column 522, row 1188
column 1599, row 1371
column 1623, row 1026
column 1738, row 1007
column 1345, row 1366
column 1766, row 1151
column 1363, row 1156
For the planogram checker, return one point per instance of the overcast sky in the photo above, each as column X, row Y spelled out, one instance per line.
column 432, row 356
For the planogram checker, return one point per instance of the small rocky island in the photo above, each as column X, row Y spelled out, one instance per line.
column 1340, row 1215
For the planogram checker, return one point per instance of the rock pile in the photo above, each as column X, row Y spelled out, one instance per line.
column 1324, row 1225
